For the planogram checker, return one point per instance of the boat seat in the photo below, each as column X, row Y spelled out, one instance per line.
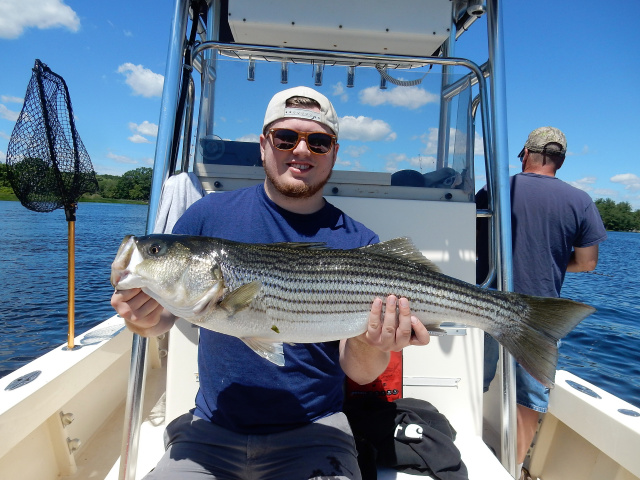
column 481, row 463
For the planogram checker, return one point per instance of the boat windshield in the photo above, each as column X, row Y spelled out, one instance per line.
column 389, row 122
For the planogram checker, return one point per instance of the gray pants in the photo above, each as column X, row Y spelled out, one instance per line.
column 199, row 449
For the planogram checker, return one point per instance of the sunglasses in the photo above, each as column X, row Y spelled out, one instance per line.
column 286, row 139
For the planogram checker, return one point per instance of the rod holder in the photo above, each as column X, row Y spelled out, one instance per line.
column 317, row 75
column 476, row 9
column 251, row 70
column 383, row 81
column 351, row 74
column 284, row 72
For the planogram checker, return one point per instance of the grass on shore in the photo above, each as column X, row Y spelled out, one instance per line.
column 10, row 196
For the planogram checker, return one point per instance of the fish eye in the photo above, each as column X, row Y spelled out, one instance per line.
column 155, row 249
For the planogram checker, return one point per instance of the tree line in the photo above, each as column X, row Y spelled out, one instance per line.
column 136, row 185
column 618, row 216
column 132, row 185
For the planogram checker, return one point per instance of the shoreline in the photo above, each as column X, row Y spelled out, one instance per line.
column 13, row 198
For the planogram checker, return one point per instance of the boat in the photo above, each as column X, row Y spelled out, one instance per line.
column 98, row 410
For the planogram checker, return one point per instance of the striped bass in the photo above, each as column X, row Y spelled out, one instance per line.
column 269, row 294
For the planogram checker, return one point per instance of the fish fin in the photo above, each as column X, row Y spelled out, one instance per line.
column 301, row 245
column 241, row 297
column 272, row 351
column 535, row 345
column 208, row 299
column 401, row 249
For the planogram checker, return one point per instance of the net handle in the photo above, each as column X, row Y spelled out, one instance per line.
column 71, row 281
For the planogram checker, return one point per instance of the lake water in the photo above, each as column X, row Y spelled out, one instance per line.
column 33, row 262
column 603, row 349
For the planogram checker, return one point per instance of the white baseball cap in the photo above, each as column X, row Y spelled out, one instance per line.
column 278, row 109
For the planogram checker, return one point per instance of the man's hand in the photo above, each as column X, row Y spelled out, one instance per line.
column 364, row 358
column 141, row 313
column 396, row 328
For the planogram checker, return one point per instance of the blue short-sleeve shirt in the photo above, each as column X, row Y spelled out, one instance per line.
column 239, row 390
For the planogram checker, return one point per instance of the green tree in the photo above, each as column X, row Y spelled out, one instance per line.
column 108, row 185
column 618, row 216
column 135, row 184
column 6, row 192
column 4, row 179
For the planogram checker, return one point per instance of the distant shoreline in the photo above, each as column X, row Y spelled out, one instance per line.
column 13, row 198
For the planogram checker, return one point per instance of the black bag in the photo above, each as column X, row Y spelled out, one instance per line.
column 409, row 435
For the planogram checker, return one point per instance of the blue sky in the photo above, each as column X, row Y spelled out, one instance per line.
column 573, row 69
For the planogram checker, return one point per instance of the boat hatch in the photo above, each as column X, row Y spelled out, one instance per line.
column 23, row 380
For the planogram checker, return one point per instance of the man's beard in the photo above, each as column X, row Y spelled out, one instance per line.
column 297, row 191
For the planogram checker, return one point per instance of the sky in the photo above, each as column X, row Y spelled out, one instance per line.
column 572, row 65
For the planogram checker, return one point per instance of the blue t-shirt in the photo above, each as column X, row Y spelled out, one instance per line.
column 548, row 219
column 239, row 390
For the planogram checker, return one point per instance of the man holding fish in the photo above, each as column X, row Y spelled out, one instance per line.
column 255, row 418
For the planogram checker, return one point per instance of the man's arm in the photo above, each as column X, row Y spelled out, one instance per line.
column 141, row 313
column 583, row 259
column 365, row 357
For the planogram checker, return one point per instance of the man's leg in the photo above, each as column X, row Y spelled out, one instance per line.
column 197, row 450
column 532, row 398
column 323, row 450
column 527, row 426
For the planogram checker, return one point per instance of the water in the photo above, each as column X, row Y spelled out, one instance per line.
column 33, row 262
column 33, row 298
column 603, row 349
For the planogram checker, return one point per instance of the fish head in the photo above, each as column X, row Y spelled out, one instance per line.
column 176, row 270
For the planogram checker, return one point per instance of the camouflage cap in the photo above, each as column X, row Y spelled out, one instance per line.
column 546, row 140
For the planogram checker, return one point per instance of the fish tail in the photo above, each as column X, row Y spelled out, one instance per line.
column 546, row 321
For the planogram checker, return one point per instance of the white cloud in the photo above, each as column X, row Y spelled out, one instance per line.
column 142, row 131
column 353, row 165
column 18, row 15
column 584, row 183
column 4, row 135
column 365, row 129
column 355, row 151
column 3, row 156
column 407, row 97
column 250, row 137
column 145, row 128
column 478, row 145
column 121, row 158
column 421, row 163
column 142, row 80
column 605, row 193
column 339, row 91
column 584, row 151
column 430, row 140
column 10, row 99
column 630, row 181
column 138, row 139
column 8, row 114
